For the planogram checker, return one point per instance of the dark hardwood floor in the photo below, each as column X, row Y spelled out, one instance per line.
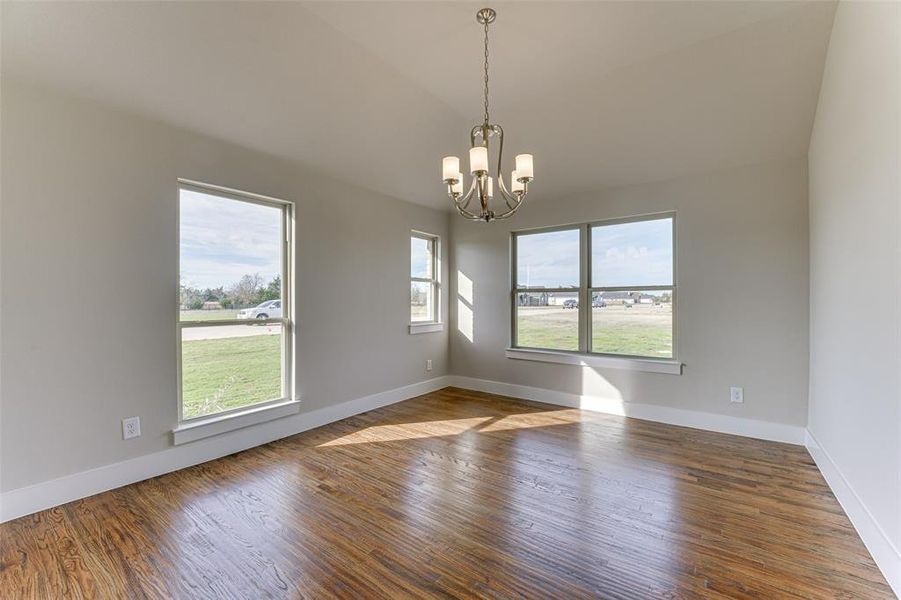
column 459, row 494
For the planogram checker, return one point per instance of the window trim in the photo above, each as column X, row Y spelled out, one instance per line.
column 202, row 426
column 435, row 323
column 584, row 355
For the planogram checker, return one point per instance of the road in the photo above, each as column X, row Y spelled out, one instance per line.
column 228, row 331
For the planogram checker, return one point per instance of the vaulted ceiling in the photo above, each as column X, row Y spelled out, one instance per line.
column 602, row 93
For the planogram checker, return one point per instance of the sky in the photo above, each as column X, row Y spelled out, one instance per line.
column 420, row 263
column 622, row 255
column 224, row 239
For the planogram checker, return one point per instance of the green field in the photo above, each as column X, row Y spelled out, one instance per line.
column 226, row 373
column 224, row 314
column 221, row 374
column 640, row 330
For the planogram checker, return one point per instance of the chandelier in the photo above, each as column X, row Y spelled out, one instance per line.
column 482, row 181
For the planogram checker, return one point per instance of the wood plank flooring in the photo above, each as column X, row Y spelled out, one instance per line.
column 459, row 494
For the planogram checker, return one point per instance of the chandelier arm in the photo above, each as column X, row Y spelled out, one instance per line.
column 468, row 215
column 483, row 192
column 509, row 213
column 462, row 200
column 461, row 208
column 500, row 148
column 507, row 195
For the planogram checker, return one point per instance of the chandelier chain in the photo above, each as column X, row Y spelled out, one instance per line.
column 486, row 73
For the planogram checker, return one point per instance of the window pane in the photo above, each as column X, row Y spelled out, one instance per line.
column 421, row 257
column 420, row 301
column 230, row 366
column 548, row 260
column 230, row 255
column 632, row 254
column 635, row 323
column 547, row 320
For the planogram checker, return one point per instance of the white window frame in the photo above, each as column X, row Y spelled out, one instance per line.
column 206, row 425
column 435, row 324
column 585, row 356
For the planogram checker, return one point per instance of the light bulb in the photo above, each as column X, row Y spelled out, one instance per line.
column 457, row 188
column 478, row 159
column 450, row 167
column 524, row 166
column 515, row 184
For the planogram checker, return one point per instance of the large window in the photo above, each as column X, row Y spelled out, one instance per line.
column 424, row 290
column 602, row 288
column 234, row 325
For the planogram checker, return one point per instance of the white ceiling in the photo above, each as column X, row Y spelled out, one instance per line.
column 602, row 93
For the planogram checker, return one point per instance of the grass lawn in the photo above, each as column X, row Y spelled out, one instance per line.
column 642, row 330
column 208, row 315
column 419, row 312
column 221, row 374
column 548, row 327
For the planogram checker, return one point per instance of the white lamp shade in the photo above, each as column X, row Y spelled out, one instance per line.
column 457, row 188
column 478, row 159
column 524, row 166
column 515, row 186
column 450, row 167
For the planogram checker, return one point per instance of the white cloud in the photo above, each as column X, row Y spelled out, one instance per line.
column 223, row 239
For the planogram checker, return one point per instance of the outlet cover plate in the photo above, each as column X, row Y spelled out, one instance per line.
column 131, row 428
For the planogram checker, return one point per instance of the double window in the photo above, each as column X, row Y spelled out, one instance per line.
column 234, row 329
column 602, row 288
column 424, row 285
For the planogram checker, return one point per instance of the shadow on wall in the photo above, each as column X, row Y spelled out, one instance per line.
column 464, row 306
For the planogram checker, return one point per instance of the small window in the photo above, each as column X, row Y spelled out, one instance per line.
column 234, row 266
column 604, row 288
column 424, row 285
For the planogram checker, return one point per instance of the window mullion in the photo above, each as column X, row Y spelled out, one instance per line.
column 584, row 293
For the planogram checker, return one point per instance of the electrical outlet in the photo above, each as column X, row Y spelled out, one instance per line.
column 428, row 365
column 131, row 428
column 736, row 394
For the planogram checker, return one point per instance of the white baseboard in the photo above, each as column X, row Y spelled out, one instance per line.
column 763, row 430
column 886, row 555
column 30, row 499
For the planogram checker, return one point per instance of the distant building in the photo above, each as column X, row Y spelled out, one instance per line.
column 627, row 298
column 212, row 305
column 539, row 298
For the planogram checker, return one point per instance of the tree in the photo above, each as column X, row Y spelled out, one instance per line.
column 273, row 291
column 188, row 296
column 247, row 290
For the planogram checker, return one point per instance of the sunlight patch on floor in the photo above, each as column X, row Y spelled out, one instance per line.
column 408, row 431
column 534, row 419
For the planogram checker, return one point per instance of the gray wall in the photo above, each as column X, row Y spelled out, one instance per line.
column 742, row 292
column 855, row 265
column 89, row 251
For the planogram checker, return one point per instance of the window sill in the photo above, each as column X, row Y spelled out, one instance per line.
column 416, row 328
column 216, row 424
column 649, row 365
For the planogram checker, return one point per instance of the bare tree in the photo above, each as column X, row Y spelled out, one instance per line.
column 247, row 290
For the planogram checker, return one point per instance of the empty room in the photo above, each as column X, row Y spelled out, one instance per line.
column 429, row 299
